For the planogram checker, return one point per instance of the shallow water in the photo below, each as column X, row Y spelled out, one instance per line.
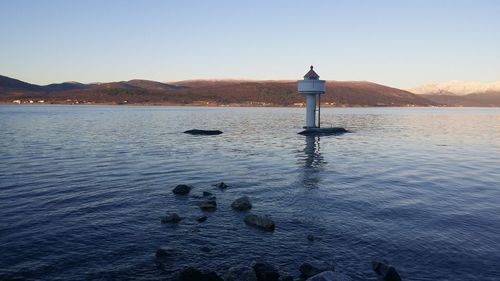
column 82, row 189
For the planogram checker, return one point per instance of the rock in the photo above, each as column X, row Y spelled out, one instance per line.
column 202, row 219
column 221, row 185
column 205, row 249
column 165, row 251
column 203, row 132
column 385, row 271
column 309, row 270
column 241, row 273
column 311, row 237
column 207, row 194
column 182, row 189
column 262, row 222
column 323, row 131
column 242, row 204
column 330, row 276
column 288, row 278
column 171, row 218
column 266, row 272
column 209, row 205
column 193, row 274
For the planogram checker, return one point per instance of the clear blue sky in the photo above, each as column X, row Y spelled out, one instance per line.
column 397, row 43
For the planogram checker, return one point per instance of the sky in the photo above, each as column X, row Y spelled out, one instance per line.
column 397, row 43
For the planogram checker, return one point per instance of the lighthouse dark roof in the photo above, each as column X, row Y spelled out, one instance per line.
column 312, row 75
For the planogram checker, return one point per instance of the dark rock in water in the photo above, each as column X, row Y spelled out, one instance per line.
column 323, row 131
column 193, row 274
column 241, row 273
column 221, row 185
column 266, row 272
column 203, row 132
column 202, row 219
column 262, row 222
column 165, row 251
column 205, row 249
column 171, row 218
column 287, row 278
column 385, row 271
column 311, row 237
column 209, row 205
column 207, row 194
column 182, row 189
column 330, row 276
column 308, row 270
column 242, row 204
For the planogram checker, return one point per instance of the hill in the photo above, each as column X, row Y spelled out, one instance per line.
column 211, row 92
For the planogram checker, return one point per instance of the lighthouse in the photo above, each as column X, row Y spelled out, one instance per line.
column 312, row 88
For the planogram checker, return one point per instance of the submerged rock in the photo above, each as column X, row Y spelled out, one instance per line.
column 202, row 219
column 241, row 273
column 311, row 269
column 242, row 204
column 165, row 251
column 209, row 205
column 193, row 274
column 330, row 276
column 207, row 194
column 266, row 272
column 221, row 185
column 287, row 278
column 171, row 218
column 385, row 271
column 311, row 237
column 262, row 222
column 203, row 132
column 182, row 189
column 205, row 249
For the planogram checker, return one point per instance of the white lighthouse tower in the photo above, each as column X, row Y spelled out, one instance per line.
column 312, row 88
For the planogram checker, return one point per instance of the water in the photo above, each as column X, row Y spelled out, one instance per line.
column 82, row 189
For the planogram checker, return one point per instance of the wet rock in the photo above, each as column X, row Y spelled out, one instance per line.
column 171, row 218
column 202, row 219
column 242, row 204
column 308, row 270
column 205, row 249
column 165, row 251
column 241, row 273
column 330, row 276
column 287, row 278
column 182, row 189
column 207, row 194
column 266, row 272
column 311, row 237
column 203, row 132
column 209, row 205
column 262, row 222
column 221, row 185
column 385, row 271
column 193, row 274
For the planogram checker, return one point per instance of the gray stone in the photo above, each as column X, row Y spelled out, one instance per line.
column 266, row 272
column 171, row 218
column 385, row 271
column 182, row 189
column 242, row 204
column 241, row 273
column 262, row 222
column 209, row 205
column 221, row 185
column 165, row 251
column 330, row 276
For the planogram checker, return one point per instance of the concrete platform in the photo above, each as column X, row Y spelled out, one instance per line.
column 323, row 131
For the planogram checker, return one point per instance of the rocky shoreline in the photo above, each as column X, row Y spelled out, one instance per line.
column 258, row 270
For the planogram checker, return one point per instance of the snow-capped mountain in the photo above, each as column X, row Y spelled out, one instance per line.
column 457, row 88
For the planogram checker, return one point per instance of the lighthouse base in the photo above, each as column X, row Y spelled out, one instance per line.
column 323, row 131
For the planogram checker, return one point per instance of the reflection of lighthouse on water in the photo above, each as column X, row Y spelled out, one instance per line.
column 312, row 162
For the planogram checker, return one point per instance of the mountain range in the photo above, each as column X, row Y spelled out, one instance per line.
column 224, row 92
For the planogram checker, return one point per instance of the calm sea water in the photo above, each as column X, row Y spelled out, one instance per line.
column 82, row 189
